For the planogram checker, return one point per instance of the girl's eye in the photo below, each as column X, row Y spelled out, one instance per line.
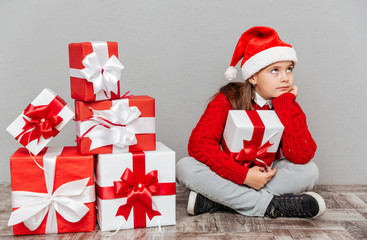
column 275, row 70
column 290, row 69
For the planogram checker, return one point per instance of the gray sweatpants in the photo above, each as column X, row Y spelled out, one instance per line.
column 290, row 178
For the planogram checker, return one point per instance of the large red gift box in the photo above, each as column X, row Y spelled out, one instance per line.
column 116, row 126
column 58, row 199
column 94, row 71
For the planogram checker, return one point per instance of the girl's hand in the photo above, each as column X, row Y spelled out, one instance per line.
column 257, row 177
column 294, row 90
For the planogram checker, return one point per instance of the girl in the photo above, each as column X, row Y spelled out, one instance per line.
column 216, row 180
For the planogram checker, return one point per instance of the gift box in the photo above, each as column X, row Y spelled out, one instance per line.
column 94, row 71
column 115, row 126
column 42, row 120
column 136, row 190
column 252, row 137
column 53, row 192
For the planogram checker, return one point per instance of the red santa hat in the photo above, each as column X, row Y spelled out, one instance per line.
column 259, row 47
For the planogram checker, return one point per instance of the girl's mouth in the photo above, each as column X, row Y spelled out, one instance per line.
column 283, row 88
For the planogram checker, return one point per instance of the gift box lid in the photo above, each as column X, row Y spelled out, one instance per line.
column 240, row 126
column 162, row 158
column 23, row 168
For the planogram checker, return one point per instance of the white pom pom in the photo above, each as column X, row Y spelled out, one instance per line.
column 231, row 73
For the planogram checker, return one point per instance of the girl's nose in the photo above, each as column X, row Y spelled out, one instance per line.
column 284, row 77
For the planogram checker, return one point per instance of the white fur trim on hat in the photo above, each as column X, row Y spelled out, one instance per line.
column 231, row 73
column 267, row 57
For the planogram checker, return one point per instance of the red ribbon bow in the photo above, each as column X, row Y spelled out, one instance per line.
column 139, row 193
column 43, row 122
column 251, row 152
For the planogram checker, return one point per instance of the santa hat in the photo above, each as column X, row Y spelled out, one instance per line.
column 259, row 47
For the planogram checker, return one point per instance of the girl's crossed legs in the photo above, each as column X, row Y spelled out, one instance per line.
column 290, row 178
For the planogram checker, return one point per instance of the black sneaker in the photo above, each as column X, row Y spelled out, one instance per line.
column 304, row 205
column 198, row 204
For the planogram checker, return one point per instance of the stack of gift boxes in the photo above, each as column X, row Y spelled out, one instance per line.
column 63, row 189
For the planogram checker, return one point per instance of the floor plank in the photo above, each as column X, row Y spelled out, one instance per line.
column 349, row 214
column 281, row 234
column 356, row 188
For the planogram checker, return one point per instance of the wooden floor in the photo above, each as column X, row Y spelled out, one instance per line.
column 346, row 218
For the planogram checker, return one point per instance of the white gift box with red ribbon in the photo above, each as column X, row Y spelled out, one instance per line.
column 41, row 121
column 252, row 136
column 136, row 190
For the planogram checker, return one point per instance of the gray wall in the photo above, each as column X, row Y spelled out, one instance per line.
column 177, row 52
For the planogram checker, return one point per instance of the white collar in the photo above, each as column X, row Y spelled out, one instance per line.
column 262, row 102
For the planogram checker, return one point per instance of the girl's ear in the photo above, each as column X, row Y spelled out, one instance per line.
column 253, row 79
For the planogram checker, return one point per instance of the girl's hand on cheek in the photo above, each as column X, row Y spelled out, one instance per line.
column 257, row 177
column 294, row 90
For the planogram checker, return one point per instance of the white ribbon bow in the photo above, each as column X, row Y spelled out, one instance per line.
column 120, row 136
column 68, row 200
column 103, row 77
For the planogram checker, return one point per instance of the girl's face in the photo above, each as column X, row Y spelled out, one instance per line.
column 273, row 80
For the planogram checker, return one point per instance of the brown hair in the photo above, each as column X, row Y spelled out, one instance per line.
column 240, row 94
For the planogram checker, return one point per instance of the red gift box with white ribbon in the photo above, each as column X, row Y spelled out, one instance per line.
column 115, row 126
column 41, row 121
column 95, row 71
column 136, row 190
column 56, row 199
column 252, row 137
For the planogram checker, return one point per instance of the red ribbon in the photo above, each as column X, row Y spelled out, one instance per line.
column 251, row 152
column 43, row 120
column 138, row 193
column 139, row 188
column 99, row 124
column 126, row 95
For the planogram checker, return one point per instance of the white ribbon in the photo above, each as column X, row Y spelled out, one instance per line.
column 104, row 76
column 107, row 80
column 68, row 200
column 119, row 136
column 119, row 113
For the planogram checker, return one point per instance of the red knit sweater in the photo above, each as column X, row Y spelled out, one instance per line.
column 297, row 143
